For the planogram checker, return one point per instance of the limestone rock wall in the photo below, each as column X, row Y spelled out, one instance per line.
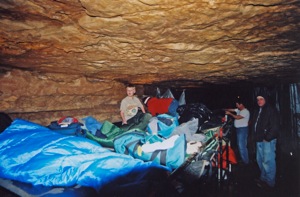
column 43, row 98
column 149, row 41
column 72, row 57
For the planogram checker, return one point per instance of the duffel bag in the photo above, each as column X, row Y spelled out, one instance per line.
column 133, row 143
column 71, row 128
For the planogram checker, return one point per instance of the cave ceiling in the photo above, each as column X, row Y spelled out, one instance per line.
column 181, row 43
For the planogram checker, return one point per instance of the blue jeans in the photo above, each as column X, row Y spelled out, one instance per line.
column 265, row 156
column 242, row 139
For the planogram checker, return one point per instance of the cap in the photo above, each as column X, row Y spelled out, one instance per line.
column 260, row 97
column 262, row 94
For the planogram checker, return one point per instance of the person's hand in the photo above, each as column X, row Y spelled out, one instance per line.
column 227, row 113
column 125, row 122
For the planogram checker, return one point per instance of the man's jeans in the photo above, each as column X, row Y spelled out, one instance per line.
column 265, row 156
column 242, row 139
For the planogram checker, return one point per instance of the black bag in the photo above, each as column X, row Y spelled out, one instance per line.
column 5, row 121
column 194, row 110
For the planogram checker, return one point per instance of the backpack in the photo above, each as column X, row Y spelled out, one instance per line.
column 131, row 143
column 68, row 126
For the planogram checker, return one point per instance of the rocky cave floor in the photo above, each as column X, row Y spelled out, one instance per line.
column 241, row 182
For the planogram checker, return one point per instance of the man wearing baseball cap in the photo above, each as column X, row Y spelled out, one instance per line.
column 241, row 119
column 265, row 129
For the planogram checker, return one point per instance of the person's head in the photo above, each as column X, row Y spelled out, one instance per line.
column 240, row 103
column 130, row 89
column 261, row 99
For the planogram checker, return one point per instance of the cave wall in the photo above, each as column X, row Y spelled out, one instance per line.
column 42, row 98
column 215, row 97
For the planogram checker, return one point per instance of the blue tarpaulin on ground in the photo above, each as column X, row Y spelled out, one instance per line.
column 34, row 154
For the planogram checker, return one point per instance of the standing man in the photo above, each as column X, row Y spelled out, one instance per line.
column 265, row 129
column 241, row 119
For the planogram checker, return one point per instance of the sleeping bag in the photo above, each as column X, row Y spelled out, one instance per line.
column 109, row 132
column 169, row 152
column 162, row 125
column 32, row 153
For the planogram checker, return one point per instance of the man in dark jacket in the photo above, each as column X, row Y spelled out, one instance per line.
column 265, row 129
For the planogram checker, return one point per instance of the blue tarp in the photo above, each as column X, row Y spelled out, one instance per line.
column 34, row 154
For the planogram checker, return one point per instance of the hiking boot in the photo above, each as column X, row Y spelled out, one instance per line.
column 259, row 183
column 263, row 185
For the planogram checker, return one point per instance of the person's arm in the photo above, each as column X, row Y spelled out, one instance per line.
column 272, row 131
column 124, row 121
column 229, row 112
column 237, row 117
column 140, row 105
column 143, row 109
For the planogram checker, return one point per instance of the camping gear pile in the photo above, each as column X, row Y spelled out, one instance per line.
column 186, row 146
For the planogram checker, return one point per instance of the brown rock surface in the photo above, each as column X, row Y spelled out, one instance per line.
column 74, row 56
column 46, row 97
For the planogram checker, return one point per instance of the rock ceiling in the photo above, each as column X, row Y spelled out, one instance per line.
column 192, row 42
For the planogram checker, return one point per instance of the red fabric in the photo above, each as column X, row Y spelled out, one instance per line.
column 231, row 157
column 74, row 120
column 158, row 105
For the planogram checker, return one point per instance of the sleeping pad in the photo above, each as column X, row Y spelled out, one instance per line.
column 34, row 154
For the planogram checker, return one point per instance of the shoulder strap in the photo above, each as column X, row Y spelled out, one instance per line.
column 136, row 142
column 163, row 156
